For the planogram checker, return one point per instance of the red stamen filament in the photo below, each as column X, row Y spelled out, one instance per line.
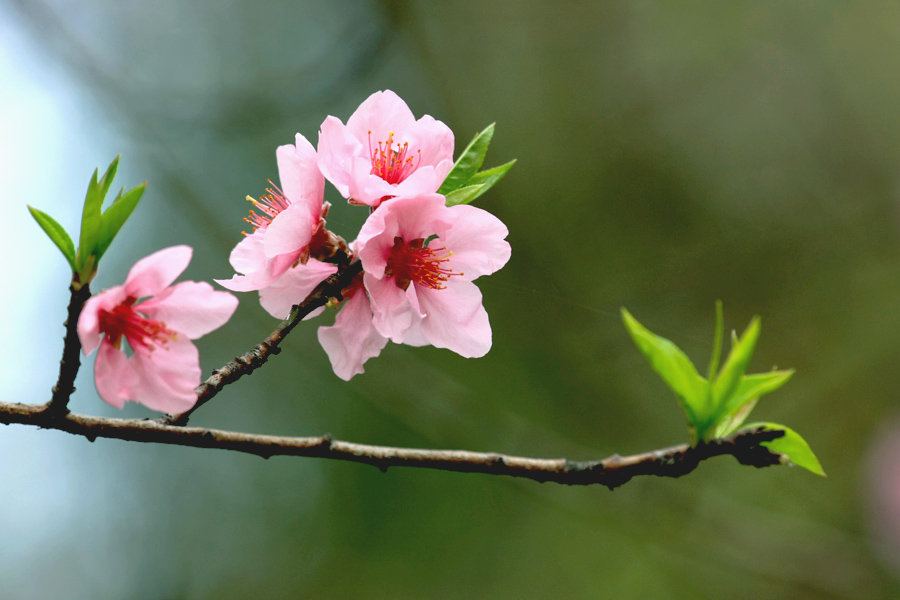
column 270, row 204
column 392, row 163
column 141, row 332
column 414, row 262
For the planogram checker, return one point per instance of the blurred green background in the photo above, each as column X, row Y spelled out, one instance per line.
column 669, row 154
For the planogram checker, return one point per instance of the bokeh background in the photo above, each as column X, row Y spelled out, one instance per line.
column 669, row 155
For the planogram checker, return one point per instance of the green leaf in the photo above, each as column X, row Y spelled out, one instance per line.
column 90, row 227
column 717, row 342
column 748, row 391
column 107, row 179
column 735, row 365
column 468, row 162
column 489, row 177
column 464, row 195
column 56, row 233
column 674, row 367
column 791, row 447
column 730, row 422
column 116, row 215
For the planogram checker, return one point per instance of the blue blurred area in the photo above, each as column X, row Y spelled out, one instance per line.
column 669, row 155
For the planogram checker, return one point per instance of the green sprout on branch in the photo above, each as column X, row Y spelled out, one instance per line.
column 98, row 227
column 717, row 405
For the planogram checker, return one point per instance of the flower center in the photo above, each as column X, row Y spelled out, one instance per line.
column 269, row 204
column 418, row 263
column 141, row 332
column 390, row 160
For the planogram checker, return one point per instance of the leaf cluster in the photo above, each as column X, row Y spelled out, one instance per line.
column 465, row 182
column 718, row 405
column 98, row 227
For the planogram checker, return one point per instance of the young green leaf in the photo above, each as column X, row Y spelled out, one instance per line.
column 464, row 195
column 717, row 342
column 674, row 367
column 115, row 216
column 792, row 447
column 90, row 226
column 730, row 423
column 735, row 365
column 487, row 178
column 107, row 179
column 56, row 233
column 733, row 412
column 468, row 162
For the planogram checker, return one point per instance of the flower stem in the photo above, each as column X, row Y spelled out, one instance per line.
column 259, row 354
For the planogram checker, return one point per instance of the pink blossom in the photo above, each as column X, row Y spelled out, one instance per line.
column 353, row 339
column 164, row 367
column 419, row 259
column 289, row 226
column 383, row 151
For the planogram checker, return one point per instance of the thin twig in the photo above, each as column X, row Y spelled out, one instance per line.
column 259, row 354
column 70, row 361
column 611, row 472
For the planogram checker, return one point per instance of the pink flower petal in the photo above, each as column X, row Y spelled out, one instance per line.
column 336, row 150
column 293, row 287
column 301, row 180
column 290, row 231
column 166, row 376
column 154, row 273
column 434, row 142
column 380, row 113
column 260, row 271
column 455, row 319
column 113, row 375
column 476, row 238
column 425, row 179
column 248, row 255
column 366, row 188
column 395, row 310
column 352, row 340
column 190, row 308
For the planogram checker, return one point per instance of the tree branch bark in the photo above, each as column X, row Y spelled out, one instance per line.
column 71, row 360
column 675, row 461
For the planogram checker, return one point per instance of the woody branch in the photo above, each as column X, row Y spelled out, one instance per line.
column 611, row 472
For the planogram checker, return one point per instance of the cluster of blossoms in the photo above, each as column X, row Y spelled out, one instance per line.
column 419, row 258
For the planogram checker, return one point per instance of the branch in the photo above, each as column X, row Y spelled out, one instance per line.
column 70, row 361
column 259, row 354
column 611, row 472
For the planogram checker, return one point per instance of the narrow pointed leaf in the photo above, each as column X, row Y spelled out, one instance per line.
column 107, row 179
column 487, row 178
column 750, row 388
column 116, row 215
column 56, row 233
column 673, row 366
column 792, row 447
column 732, row 421
column 90, row 224
column 468, row 162
column 464, row 195
column 717, row 343
column 735, row 365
